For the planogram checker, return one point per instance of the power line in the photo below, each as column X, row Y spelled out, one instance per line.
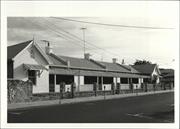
column 58, row 34
column 87, row 42
column 65, row 36
column 112, row 25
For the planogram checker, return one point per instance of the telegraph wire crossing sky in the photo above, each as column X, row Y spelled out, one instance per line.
column 103, row 40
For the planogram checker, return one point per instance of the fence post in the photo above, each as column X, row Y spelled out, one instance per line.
column 73, row 86
column 112, row 87
column 95, row 88
column 154, row 87
column 136, row 90
column 118, row 88
column 104, row 92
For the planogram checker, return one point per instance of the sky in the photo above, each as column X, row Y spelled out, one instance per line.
column 107, row 42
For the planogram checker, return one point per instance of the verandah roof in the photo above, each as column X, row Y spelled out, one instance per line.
column 93, row 73
column 34, row 67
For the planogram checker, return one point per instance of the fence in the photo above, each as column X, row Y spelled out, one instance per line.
column 20, row 91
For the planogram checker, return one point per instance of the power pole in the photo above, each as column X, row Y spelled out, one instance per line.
column 83, row 29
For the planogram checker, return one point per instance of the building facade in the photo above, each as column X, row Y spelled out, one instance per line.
column 47, row 70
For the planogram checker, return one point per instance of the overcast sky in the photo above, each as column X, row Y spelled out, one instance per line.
column 155, row 45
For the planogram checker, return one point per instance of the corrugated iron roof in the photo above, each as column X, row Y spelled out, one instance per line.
column 114, row 67
column 34, row 67
column 13, row 50
column 80, row 62
column 145, row 68
column 64, row 71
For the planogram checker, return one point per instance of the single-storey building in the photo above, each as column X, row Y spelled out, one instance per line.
column 167, row 77
column 150, row 70
column 46, row 70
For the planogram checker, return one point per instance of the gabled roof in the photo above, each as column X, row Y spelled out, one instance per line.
column 55, row 61
column 130, row 68
column 114, row 67
column 145, row 68
column 13, row 50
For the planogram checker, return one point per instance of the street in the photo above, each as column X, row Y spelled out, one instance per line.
column 157, row 108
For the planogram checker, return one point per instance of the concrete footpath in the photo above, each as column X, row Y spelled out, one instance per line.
column 23, row 105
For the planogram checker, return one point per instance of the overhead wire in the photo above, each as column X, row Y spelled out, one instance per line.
column 112, row 25
column 64, row 36
column 87, row 42
column 58, row 33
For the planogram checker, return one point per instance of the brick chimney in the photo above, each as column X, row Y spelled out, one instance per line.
column 48, row 48
column 114, row 60
column 87, row 56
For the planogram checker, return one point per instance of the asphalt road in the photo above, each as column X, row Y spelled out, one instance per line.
column 157, row 108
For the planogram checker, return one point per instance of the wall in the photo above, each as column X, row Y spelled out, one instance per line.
column 155, row 72
column 124, row 87
column 107, row 87
column 76, row 80
column 86, row 87
column 20, row 72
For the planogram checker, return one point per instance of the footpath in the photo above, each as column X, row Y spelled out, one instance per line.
column 26, row 105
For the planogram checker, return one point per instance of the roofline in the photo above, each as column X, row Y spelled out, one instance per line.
column 22, row 50
column 58, row 58
column 124, row 67
column 84, row 68
column 140, row 75
column 42, row 53
column 98, row 63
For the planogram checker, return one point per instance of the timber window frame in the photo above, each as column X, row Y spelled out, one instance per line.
column 32, row 76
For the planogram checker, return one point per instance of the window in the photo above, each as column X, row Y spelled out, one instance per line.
column 90, row 79
column 124, row 80
column 135, row 80
column 68, row 79
column 32, row 76
column 107, row 80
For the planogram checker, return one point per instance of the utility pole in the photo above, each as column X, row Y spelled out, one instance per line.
column 83, row 29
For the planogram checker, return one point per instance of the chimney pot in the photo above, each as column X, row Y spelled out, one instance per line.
column 87, row 56
column 114, row 60
column 48, row 49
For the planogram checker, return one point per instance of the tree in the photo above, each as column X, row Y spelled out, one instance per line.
column 139, row 62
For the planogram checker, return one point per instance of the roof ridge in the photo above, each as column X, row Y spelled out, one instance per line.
column 21, row 43
column 42, row 52
column 59, row 58
column 14, row 50
column 123, row 67
column 98, row 63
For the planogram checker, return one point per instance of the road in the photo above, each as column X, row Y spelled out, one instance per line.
column 157, row 108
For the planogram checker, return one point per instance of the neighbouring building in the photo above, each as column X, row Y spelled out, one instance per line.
column 150, row 70
column 167, row 77
column 46, row 70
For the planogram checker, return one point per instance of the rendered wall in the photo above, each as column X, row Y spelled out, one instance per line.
column 21, row 73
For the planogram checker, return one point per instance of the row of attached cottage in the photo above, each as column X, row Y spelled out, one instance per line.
column 47, row 70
